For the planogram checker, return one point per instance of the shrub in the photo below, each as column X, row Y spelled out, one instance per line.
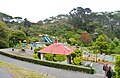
column 49, row 57
column 76, row 53
column 77, row 60
column 37, row 49
column 117, row 67
column 60, row 57
column 35, row 55
column 47, row 44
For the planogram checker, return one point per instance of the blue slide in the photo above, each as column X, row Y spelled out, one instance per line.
column 48, row 40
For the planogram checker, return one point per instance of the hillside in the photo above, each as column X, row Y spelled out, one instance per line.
column 5, row 16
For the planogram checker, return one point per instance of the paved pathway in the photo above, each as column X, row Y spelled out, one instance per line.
column 4, row 73
column 50, row 71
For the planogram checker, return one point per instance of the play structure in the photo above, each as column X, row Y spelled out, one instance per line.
column 46, row 38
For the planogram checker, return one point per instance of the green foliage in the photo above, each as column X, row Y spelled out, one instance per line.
column 35, row 55
column 51, row 64
column 112, row 45
column 73, row 41
column 17, row 36
column 117, row 67
column 117, row 49
column 60, row 57
column 4, row 32
column 47, row 44
column 116, row 41
column 77, row 60
column 49, row 57
column 101, row 44
column 37, row 49
column 76, row 53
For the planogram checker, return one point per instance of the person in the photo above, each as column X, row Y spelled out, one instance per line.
column 31, row 48
column 105, row 69
column 109, row 73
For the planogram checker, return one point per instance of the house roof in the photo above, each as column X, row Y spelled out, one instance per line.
column 57, row 48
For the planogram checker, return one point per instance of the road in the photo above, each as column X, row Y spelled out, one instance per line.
column 4, row 73
column 60, row 73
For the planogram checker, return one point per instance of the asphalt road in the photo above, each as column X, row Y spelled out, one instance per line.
column 51, row 71
column 59, row 73
column 4, row 73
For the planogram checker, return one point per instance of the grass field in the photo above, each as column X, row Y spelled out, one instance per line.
column 19, row 72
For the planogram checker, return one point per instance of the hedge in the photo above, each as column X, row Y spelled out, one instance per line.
column 51, row 64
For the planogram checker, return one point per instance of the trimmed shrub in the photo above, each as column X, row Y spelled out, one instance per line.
column 77, row 60
column 60, row 57
column 49, row 57
column 35, row 55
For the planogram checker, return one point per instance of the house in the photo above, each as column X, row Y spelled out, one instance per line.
column 57, row 48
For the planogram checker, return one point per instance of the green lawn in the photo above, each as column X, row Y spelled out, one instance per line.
column 19, row 72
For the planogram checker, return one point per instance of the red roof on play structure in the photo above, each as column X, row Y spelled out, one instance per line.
column 57, row 48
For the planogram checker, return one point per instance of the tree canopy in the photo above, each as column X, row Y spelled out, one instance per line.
column 4, row 32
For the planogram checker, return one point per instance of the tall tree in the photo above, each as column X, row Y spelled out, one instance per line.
column 16, row 36
column 27, row 23
column 101, row 44
column 85, row 38
column 79, row 17
column 4, row 32
column 117, row 67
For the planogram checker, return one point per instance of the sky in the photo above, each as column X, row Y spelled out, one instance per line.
column 36, row 10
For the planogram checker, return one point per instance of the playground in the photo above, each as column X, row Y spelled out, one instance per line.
column 43, row 40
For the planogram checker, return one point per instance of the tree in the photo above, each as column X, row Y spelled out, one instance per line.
column 117, row 67
column 40, row 22
column 27, row 23
column 116, row 41
column 112, row 46
column 85, row 38
column 4, row 32
column 101, row 44
column 79, row 17
column 76, row 53
column 17, row 36
column 60, row 57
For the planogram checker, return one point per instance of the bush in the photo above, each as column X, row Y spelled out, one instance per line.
column 37, row 49
column 77, row 60
column 51, row 64
column 49, row 57
column 47, row 44
column 60, row 57
column 35, row 55
column 76, row 53
column 117, row 67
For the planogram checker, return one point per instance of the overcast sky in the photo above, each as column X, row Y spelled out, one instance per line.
column 35, row 10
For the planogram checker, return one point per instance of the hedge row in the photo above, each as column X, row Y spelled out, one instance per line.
column 51, row 64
